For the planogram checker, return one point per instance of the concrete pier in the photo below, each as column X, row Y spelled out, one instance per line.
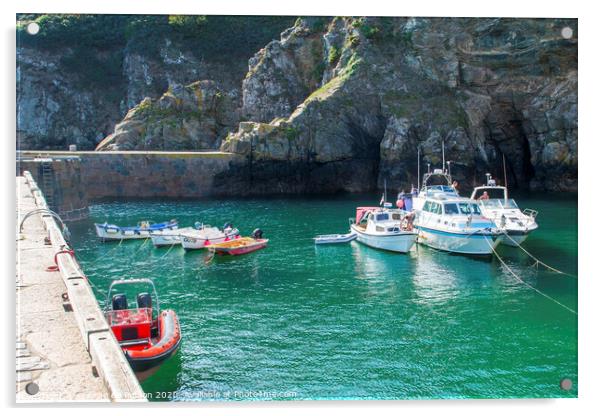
column 64, row 348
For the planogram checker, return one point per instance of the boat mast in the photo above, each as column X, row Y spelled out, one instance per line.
column 419, row 181
column 505, row 177
column 443, row 154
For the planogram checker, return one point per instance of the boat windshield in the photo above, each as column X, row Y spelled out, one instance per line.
column 492, row 203
column 467, row 209
column 499, row 203
column 440, row 188
column 510, row 204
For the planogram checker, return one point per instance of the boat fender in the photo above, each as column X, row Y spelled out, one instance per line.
column 207, row 243
column 257, row 233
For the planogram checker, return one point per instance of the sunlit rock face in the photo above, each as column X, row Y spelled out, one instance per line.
column 341, row 104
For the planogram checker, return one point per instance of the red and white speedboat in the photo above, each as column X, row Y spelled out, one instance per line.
column 147, row 335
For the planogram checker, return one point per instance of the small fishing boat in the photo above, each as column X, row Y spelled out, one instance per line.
column 335, row 238
column 384, row 228
column 504, row 212
column 147, row 335
column 207, row 235
column 241, row 245
column 144, row 229
column 166, row 238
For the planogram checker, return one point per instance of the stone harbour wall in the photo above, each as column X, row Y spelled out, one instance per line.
column 84, row 176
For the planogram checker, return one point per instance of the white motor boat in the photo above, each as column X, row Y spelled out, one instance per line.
column 142, row 230
column 504, row 212
column 383, row 228
column 449, row 222
column 201, row 238
column 168, row 238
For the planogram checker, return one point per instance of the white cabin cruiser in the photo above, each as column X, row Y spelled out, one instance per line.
column 383, row 228
column 505, row 213
column 449, row 222
column 205, row 236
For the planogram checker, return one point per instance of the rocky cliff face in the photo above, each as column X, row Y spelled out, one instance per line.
column 488, row 89
column 82, row 74
column 340, row 104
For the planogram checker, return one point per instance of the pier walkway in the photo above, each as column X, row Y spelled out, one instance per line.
column 54, row 309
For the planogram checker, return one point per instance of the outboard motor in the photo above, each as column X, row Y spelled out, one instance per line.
column 198, row 225
column 144, row 300
column 119, row 302
column 257, row 234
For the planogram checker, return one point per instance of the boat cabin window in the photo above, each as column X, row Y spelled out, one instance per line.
column 379, row 228
column 427, row 206
column 436, row 208
column 396, row 216
column 451, row 209
column 382, row 217
column 468, row 209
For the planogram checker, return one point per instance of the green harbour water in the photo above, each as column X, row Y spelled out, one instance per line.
column 296, row 321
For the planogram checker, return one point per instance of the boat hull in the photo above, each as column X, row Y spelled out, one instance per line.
column 243, row 249
column 513, row 239
column 190, row 242
column 167, row 345
column 163, row 239
column 471, row 244
column 115, row 233
column 335, row 238
column 399, row 243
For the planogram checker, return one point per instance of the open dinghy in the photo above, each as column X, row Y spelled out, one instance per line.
column 335, row 238
column 142, row 230
column 147, row 335
column 241, row 245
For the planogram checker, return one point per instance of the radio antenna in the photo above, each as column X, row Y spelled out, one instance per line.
column 443, row 153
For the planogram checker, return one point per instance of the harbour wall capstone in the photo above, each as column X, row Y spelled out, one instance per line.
column 135, row 174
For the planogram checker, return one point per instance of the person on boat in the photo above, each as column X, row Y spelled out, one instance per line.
column 455, row 186
column 399, row 202
column 484, row 197
column 408, row 222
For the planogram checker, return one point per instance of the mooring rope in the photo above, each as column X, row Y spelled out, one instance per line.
column 170, row 248
column 141, row 245
column 537, row 261
column 209, row 258
column 527, row 284
column 105, row 254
